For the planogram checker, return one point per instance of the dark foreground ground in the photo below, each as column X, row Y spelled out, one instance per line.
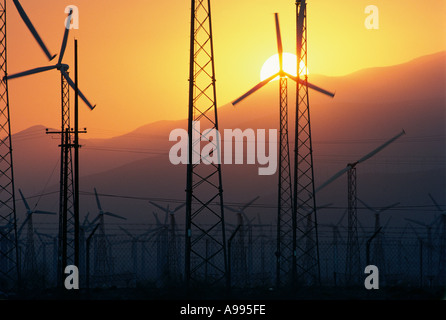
column 265, row 294
column 263, row 303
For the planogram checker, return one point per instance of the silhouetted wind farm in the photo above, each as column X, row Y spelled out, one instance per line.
column 132, row 221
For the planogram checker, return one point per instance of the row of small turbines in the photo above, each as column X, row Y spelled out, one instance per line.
column 168, row 256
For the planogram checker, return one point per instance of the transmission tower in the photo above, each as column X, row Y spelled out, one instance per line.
column 306, row 267
column 205, row 250
column 9, row 253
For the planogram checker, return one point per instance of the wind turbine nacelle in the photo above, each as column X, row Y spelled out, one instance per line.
column 63, row 66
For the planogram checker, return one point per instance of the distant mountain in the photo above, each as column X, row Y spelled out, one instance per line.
column 370, row 106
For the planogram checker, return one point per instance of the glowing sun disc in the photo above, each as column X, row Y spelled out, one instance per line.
column 271, row 66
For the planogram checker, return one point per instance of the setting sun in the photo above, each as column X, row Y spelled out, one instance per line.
column 271, row 66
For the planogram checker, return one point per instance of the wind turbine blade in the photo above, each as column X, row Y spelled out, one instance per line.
column 29, row 72
column 24, row 201
column 249, row 203
column 385, row 226
column 179, row 207
column 416, row 222
column 65, row 37
column 95, row 219
column 97, row 200
column 255, row 88
column 415, row 231
column 310, row 85
column 435, row 203
column 23, row 224
column 389, row 207
column 245, row 218
column 158, row 206
column 72, row 85
column 158, row 222
column 86, row 219
column 231, row 209
column 44, row 212
column 361, row 227
column 114, row 215
column 435, row 221
column 258, row 218
column 342, row 218
column 403, row 232
column 324, row 206
column 371, row 154
column 366, row 205
column 32, row 29
column 279, row 41
column 125, row 231
column 333, row 178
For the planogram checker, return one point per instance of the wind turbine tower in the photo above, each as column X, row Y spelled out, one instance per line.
column 205, row 249
column 172, row 266
column 378, row 248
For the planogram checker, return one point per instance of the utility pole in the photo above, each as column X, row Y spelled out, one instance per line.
column 68, row 245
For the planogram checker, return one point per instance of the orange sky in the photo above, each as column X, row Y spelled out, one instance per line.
column 134, row 58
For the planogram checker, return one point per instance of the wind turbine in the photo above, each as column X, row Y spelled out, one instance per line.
column 49, row 241
column 30, row 261
column 63, row 68
column 162, row 246
column 242, row 269
column 264, row 241
column 284, row 252
column 172, row 267
column 336, row 237
column 134, row 251
column 102, row 260
column 353, row 268
column 430, row 245
column 379, row 256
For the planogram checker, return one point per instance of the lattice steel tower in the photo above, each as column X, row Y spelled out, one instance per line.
column 205, row 251
column 352, row 265
column 66, row 244
column 9, row 254
column 284, row 251
column 306, row 267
